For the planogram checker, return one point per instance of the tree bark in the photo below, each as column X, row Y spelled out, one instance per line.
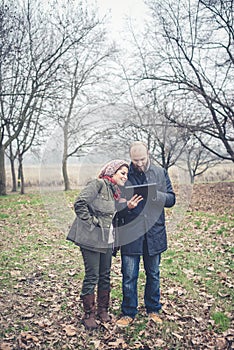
column 21, row 176
column 2, row 171
column 65, row 176
column 64, row 162
column 13, row 176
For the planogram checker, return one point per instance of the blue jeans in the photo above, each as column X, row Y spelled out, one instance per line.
column 130, row 272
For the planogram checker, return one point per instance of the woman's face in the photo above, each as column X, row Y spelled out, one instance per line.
column 121, row 176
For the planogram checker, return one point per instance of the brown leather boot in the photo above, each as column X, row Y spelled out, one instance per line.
column 88, row 319
column 103, row 300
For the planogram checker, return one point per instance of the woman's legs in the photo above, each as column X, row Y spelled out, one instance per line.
column 97, row 270
column 91, row 263
column 97, row 273
column 103, row 293
column 104, row 270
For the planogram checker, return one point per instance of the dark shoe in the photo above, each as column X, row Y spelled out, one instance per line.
column 88, row 319
column 103, row 300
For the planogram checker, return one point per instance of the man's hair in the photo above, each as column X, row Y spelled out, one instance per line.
column 138, row 143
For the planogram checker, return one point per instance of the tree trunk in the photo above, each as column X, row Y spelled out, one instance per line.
column 22, row 189
column 2, row 171
column 192, row 179
column 65, row 176
column 64, row 165
column 191, row 173
column 13, row 176
column 21, row 175
column 19, row 178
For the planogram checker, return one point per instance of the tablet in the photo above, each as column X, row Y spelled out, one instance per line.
column 145, row 190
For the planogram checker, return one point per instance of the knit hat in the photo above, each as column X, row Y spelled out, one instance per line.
column 111, row 167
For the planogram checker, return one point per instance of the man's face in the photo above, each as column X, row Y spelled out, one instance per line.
column 140, row 157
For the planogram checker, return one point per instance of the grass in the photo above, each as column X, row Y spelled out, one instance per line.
column 37, row 262
column 221, row 320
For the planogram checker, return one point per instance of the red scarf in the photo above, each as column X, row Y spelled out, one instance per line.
column 115, row 188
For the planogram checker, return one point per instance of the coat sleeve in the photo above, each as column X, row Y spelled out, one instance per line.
column 86, row 196
column 167, row 197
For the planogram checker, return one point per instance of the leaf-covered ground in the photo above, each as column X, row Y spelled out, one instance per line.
column 41, row 276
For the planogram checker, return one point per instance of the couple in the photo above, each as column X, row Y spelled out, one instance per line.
column 101, row 209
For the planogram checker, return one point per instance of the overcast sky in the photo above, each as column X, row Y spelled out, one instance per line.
column 119, row 10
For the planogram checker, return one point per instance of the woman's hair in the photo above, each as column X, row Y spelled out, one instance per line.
column 112, row 167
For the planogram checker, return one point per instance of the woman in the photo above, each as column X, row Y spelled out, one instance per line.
column 92, row 230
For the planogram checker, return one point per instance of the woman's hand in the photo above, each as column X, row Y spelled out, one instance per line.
column 133, row 202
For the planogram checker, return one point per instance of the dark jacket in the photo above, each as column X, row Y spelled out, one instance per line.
column 95, row 209
column 147, row 220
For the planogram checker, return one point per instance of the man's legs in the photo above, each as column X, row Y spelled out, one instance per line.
column 152, row 286
column 130, row 271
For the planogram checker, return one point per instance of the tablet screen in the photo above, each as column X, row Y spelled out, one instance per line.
column 145, row 190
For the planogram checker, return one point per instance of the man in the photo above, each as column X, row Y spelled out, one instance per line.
column 147, row 221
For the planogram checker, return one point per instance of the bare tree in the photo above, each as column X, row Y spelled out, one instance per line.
column 35, row 43
column 188, row 53
column 28, row 137
column 148, row 120
column 81, row 84
column 197, row 158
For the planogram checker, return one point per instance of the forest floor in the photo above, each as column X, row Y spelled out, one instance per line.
column 41, row 277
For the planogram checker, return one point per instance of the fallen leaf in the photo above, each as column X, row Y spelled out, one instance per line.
column 72, row 272
column 171, row 291
column 178, row 336
column 116, row 343
column 159, row 342
column 221, row 343
column 29, row 336
column 96, row 343
column 15, row 273
column 27, row 316
column 5, row 346
column 70, row 330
